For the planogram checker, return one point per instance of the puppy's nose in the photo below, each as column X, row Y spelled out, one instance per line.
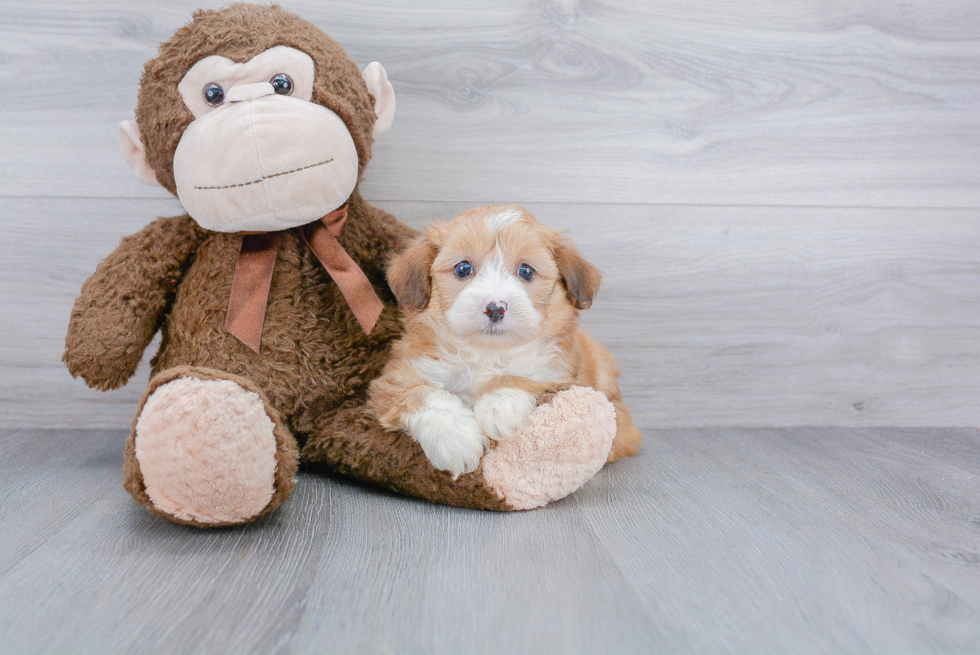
column 495, row 311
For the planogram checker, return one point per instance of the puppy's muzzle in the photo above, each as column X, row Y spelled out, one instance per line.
column 495, row 311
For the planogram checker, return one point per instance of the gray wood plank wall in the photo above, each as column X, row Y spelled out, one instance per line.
column 784, row 197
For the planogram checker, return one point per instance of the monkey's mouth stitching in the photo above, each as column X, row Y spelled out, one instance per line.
column 266, row 177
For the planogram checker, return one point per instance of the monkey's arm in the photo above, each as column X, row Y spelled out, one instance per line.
column 123, row 303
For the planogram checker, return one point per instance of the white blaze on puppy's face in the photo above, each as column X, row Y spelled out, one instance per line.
column 476, row 277
column 499, row 220
column 494, row 289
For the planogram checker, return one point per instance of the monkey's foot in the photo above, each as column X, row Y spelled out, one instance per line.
column 564, row 443
column 208, row 451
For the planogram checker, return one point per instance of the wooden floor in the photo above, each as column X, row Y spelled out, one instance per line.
column 863, row 540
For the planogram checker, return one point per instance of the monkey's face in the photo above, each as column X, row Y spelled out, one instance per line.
column 263, row 139
column 259, row 155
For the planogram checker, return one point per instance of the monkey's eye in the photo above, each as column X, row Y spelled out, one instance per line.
column 463, row 269
column 525, row 272
column 282, row 84
column 214, row 95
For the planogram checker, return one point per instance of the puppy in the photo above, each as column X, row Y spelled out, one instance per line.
column 490, row 302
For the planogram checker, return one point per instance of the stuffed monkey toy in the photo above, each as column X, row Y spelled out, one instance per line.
column 270, row 291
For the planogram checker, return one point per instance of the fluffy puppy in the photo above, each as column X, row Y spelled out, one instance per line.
column 490, row 302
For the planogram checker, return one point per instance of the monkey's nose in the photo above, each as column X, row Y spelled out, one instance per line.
column 241, row 92
column 495, row 311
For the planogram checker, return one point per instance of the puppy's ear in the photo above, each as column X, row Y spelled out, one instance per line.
column 581, row 278
column 409, row 274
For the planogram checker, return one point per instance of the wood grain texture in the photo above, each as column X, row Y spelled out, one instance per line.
column 796, row 103
column 822, row 540
column 712, row 540
column 743, row 316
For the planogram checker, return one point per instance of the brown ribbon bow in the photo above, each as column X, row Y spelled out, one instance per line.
column 253, row 277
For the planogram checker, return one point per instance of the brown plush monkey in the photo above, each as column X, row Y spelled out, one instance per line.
column 270, row 292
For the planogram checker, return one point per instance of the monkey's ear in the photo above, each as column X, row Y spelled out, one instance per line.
column 133, row 153
column 384, row 96
column 409, row 274
column 581, row 278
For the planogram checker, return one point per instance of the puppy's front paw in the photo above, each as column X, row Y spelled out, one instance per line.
column 447, row 431
column 501, row 414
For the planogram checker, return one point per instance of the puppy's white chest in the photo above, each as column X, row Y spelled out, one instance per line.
column 467, row 371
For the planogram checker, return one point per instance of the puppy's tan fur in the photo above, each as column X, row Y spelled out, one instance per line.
column 433, row 356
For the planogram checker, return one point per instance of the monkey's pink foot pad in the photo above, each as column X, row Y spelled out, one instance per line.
column 564, row 443
column 206, row 450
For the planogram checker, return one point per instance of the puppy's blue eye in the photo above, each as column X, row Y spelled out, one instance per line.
column 525, row 272
column 463, row 269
